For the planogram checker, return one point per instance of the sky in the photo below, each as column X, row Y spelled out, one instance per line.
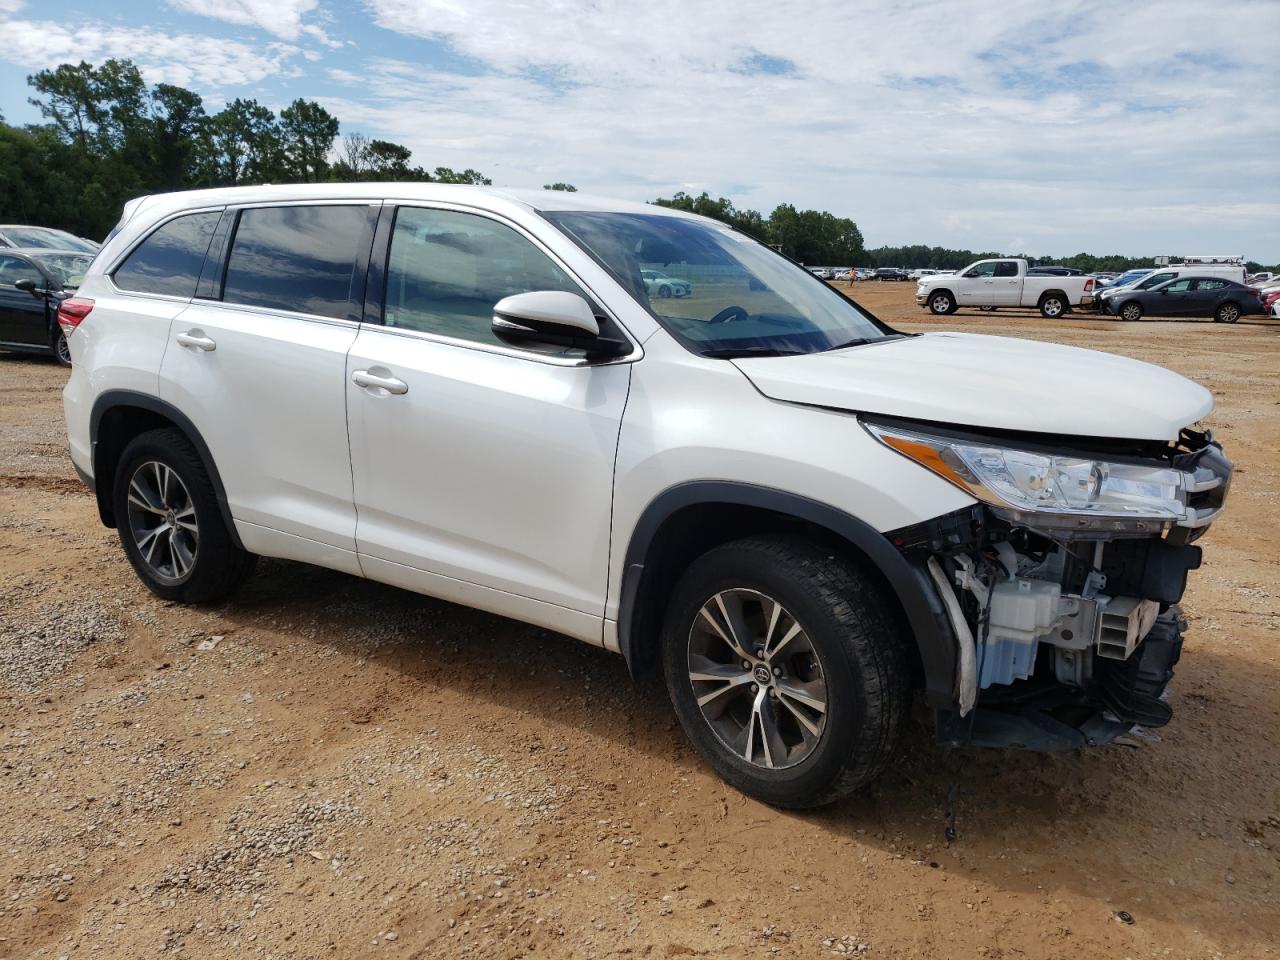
column 1050, row 127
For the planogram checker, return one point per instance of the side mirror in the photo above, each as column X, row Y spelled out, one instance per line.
column 29, row 286
column 552, row 318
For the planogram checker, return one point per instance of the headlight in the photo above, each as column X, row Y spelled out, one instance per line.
column 1039, row 489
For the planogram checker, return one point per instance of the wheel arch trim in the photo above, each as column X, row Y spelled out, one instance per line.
column 115, row 399
column 926, row 617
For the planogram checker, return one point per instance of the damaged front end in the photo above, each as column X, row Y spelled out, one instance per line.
column 1062, row 584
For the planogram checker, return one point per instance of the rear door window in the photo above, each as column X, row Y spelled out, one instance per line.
column 1210, row 284
column 1006, row 268
column 169, row 260
column 305, row 259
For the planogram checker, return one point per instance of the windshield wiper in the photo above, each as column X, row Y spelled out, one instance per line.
column 730, row 353
column 862, row 342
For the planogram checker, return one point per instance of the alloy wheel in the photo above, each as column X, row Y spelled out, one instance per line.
column 1052, row 307
column 941, row 304
column 757, row 678
column 1228, row 313
column 1131, row 312
column 63, row 349
column 162, row 520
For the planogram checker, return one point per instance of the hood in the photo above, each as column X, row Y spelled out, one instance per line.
column 994, row 382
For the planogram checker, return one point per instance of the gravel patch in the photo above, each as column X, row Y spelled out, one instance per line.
column 35, row 646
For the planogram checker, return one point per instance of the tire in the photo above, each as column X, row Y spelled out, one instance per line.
column 1053, row 306
column 192, row 558
column 61, row 349
column 664, row 291
column 942, row 303
column 987, row 309
column 848, row 655
column 1130, row 311
column 1227, row 313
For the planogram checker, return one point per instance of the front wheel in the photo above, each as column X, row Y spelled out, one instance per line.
column 170, row 524
column 1131, row 311
column 1227, row 313
column 786, row 669
column 1053, row 306
column 941, row 303
column 664, row 291
column 61, row 349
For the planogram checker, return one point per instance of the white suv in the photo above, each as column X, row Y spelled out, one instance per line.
column 799, row 513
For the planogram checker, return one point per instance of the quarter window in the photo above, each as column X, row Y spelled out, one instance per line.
column 300, row 258
column 1210, row 284
column 446, row 270
column 169, row 260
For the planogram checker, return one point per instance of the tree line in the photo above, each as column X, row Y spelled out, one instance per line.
column 107, row 137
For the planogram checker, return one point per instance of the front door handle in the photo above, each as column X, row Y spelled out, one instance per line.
column 196, row 339
column 371, row 381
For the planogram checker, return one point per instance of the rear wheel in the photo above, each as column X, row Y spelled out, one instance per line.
column 1131, row 311
column 786, row 670
column 170, row 524
column 1227, row 313
column 942, row 303
column 1053, row 306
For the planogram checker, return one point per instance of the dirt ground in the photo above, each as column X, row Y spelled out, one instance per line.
column 354, row 771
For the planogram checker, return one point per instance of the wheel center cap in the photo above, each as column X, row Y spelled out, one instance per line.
column 763, row 675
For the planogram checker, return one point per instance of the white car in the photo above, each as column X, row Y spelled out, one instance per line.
column 822, row 273
column 797, row 513
column 659, row 284
column 991, row 284
column 922, row 273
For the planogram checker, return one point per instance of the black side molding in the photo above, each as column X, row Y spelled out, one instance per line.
column 925, row 614
column 114, row 399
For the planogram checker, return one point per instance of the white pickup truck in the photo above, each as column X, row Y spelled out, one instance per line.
column 991, row 284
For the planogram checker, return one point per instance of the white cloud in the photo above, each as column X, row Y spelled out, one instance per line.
column 282, row 18
column 916, row 119
column 183, row 59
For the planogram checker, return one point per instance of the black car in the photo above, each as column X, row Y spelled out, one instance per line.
column 891, row 273
column 32, row 284
column 1224, row 300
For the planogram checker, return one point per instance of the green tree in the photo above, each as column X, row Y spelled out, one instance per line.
column 307, row 131
column 244, row 144
column 560, row 185
column 445, row 175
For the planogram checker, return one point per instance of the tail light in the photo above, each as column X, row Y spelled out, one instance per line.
column 1088, row 285
column 71, row 312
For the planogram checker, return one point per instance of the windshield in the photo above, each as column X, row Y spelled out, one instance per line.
column 1127, row 278
column 67, row 268
column 718, row 291
column 45, row 238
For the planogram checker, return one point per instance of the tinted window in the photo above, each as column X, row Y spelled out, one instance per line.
column 299, row 258
column 13, row 269
column 1179, row 286
column 982, row 270
column 1210, row 284
column 446, row 271
column 169, row 260
column 1006, row 268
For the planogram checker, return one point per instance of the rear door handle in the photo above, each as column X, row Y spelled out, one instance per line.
column 371, row 381
column 196, row 339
